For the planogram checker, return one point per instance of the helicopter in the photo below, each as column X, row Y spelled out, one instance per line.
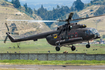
column 65, row 35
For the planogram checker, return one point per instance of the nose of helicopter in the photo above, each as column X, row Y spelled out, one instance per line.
column 96, row 36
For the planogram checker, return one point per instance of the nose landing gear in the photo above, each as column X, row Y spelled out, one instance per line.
column 88, row 45
column 73, row 48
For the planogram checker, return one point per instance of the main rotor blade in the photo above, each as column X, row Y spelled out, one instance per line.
column 86, row 18
column 36, row 20
column 5, row 39
column 7, row 26
column 43, row 21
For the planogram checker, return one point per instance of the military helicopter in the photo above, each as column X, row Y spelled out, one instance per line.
column 65, row 35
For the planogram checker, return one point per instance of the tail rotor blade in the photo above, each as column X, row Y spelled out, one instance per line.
column 5, row 39
column 7, row 26
column 8, row 31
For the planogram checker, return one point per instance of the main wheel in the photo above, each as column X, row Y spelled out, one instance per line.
column 88, row 46
column 57, row 48
column 73, row 48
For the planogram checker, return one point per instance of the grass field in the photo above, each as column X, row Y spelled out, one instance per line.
column 37, row 62
column 41, row 46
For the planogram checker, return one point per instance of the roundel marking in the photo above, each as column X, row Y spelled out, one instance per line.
column 55, row 36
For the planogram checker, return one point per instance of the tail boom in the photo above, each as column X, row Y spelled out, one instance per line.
column 16, row 40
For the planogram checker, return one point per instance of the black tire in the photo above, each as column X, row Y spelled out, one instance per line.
column 88, row 46
column 73, row 48
column 57, row 48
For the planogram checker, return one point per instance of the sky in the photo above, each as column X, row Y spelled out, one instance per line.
column 49, row 4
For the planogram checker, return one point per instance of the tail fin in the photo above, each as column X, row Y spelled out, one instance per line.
column 10, row 37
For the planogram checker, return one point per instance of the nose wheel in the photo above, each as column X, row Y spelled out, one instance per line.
column 88, row 45
column 73, row 48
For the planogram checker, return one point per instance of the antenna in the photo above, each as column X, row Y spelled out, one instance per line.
column 97, row 22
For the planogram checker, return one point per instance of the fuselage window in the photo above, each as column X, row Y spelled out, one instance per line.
column 62, row 38
column 72, row 36
column 76, row 35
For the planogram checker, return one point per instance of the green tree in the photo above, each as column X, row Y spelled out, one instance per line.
column 58, row 7
column 78, row 4
column 6, row 0
column 16, row 3
column 25, row 5
column 42, row 12
column 87, row 15
column 30, row 11
column 12, row 1
column 75, row 16
column 53, row 14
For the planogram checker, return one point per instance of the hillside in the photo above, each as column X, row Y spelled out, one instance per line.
column 97, row 23
column 7, row 11
column 88, row 11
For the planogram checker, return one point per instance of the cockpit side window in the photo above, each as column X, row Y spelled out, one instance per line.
column 90, row 32
column 94, row 30
column 87, row 32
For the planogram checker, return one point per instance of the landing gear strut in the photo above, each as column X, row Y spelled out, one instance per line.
column 88, row 45
column 73, row 48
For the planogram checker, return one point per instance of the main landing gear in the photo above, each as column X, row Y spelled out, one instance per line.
column 88, row 45
column 73, row 48
column 57, row 48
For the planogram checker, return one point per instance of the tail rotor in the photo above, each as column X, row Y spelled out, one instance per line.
column 7, row 27
column 8, row 32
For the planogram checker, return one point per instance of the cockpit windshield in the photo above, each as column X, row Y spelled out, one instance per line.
column 94, row 30
column 88, row 32
column 91, row 31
